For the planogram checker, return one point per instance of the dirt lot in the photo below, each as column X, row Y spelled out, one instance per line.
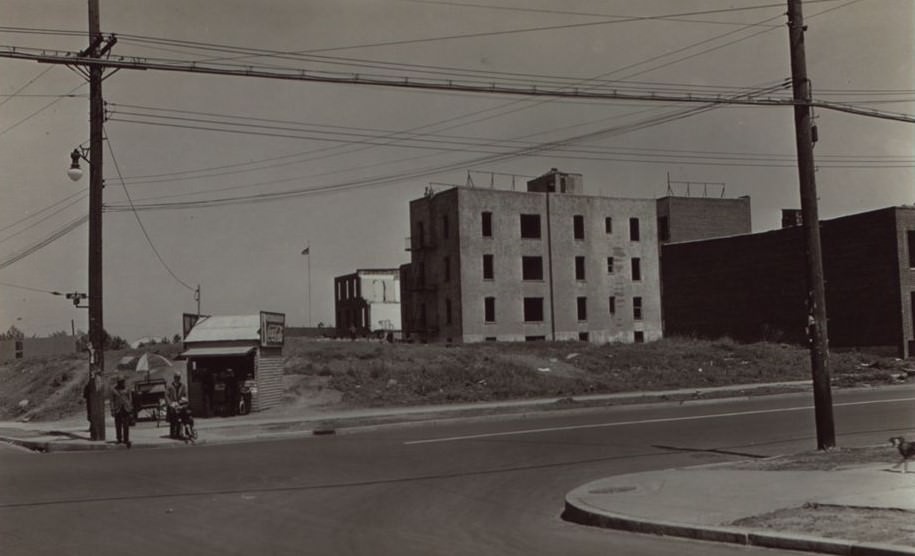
column 343, row 373
column 840, row 522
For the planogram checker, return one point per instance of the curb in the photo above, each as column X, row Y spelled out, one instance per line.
column 577, row 513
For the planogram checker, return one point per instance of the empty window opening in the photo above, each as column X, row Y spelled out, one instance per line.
column 578, row 225
column 530, row 226
column 533, row 309
column 532, row 268
column 488, row 270
column 579, row 268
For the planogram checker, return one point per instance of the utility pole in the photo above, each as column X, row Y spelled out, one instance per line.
column 96, row 324
column 816, row 291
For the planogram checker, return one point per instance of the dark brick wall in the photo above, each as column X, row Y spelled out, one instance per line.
column 693, row 218
column 752, row 287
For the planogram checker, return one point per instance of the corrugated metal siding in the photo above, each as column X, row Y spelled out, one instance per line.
column 269, row 381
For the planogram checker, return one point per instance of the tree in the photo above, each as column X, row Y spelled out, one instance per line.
column 12, row 334
column 176, row 339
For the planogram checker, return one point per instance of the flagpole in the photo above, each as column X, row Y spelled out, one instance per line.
column 307, row 253
column 308, row 248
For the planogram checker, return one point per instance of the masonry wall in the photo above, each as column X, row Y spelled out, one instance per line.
column 558, row 249
column 752, row 287
column 905, row 242
column 694, row 218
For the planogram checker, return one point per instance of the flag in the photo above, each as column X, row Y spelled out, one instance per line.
column 306, row 251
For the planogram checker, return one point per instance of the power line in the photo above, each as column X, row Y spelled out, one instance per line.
column 59, row 233
column 37, row 222
column 140, row 222
column 20, row 89
column 40, row 110
column 17, row 286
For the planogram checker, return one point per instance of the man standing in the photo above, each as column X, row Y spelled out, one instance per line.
column 173, row 394
column 121, row 410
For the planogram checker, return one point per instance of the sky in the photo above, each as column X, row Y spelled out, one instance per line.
column 209, row 150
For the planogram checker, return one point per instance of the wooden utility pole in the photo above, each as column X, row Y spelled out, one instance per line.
column 816, row 291
column 96, row 324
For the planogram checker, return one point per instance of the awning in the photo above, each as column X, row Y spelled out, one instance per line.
column 218, row 351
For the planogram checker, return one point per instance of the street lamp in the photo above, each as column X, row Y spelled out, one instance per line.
column 75, row 172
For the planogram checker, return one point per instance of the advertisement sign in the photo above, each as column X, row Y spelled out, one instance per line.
column 188, row 320
column 273, row 329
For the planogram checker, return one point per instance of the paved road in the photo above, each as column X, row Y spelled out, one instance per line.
column 485, row 487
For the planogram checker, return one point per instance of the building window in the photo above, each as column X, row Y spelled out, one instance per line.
column 637, row 308
column 420, row 234
column 447, row 311
column 664, row 228
column 578, row 225
column 445, row 226
column 639, row 337
column 911, row 237
column 582, row 303
column 487, row 224
column 636, row 269
column 489, row 309
column 612, row 305
column 608, row 225
column 491, row 339
column 535, row 338
column 488, row 272
column 583, row 336
column 530, row 226
column 533, row 309
column 609, row 265
column 532, row 268
column 579, row 268
column 634, row 229
column 421, row 274
column 446, row 262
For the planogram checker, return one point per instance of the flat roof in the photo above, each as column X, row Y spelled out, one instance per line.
column 225, row 328
column 217, row 351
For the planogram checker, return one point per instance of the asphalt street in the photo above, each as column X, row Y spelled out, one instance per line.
column 485, row 486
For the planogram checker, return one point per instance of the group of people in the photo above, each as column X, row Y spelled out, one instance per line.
column 122, row 407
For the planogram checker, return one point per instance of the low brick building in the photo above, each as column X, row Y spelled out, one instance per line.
column 753, row 286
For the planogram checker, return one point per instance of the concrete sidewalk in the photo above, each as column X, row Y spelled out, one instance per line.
column 700, row 502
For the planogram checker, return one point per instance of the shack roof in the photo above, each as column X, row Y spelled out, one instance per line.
column 225, row 328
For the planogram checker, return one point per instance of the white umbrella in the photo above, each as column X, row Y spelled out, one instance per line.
column 144, row 363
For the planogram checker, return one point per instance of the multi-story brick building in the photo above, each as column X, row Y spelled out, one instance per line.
column 752, row 286
column 367, row 300
column 548, row 263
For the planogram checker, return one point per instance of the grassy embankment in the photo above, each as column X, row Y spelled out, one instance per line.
column 377, row 374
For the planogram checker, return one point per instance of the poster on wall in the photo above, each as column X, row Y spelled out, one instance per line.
column 273, row 329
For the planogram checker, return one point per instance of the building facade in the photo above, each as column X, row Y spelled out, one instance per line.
column 545, row 264
column 28, row 348
column 752, row 286
column 368, row 300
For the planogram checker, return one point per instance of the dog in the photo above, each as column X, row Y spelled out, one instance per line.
column 906, row 450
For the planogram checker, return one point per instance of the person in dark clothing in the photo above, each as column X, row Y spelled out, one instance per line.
column 87, row 391
column 173, row 395
column 121, row 410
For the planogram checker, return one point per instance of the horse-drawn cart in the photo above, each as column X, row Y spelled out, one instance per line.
column 149, row 396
